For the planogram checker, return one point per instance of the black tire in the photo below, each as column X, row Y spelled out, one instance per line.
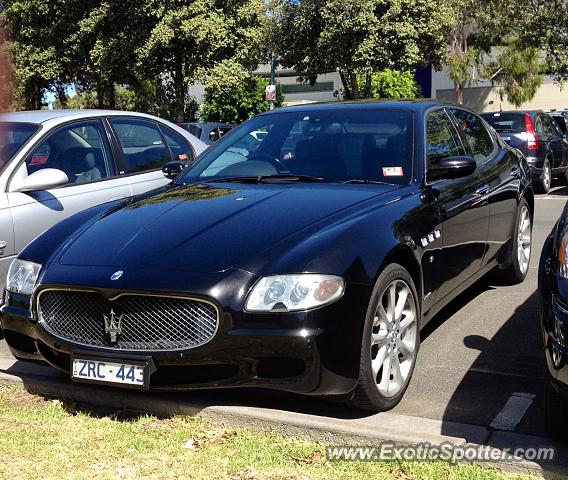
column 514, row 274
column 555, row 412
column 542, row 184
column 366, row 395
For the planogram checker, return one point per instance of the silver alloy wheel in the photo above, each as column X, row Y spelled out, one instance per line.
column 524, row 240
column 547, row 176
column 393, row 343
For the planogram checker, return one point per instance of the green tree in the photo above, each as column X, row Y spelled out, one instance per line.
column 234, row 95
column 36, row 31
column 359, row 37
column 465, row 42
column 392, row 84
column 540, row 25
column 519, row 71
column 189, row 38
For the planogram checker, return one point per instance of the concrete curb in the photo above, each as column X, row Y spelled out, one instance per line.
column 398, row 429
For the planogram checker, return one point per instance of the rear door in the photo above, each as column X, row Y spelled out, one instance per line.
column 81, row 150
column 145, row 147
column 463, row 206
column 7, row 246
column 501, row 171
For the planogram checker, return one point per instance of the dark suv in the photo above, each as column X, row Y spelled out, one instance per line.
column 540, row 139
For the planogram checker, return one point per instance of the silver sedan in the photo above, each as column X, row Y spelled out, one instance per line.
column 56, row 163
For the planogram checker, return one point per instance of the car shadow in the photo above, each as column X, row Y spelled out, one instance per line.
column 508, row 363
column 561, row 191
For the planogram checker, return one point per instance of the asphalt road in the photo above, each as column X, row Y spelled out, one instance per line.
column 475, row 354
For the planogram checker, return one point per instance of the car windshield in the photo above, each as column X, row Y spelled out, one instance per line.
column 506, row 122
column 332, row 145
column 12, row 137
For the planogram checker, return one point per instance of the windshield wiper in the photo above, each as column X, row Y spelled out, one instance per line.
column 284, row 177
column 365, row 180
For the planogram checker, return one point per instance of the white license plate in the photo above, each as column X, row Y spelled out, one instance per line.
column 507, row 139
column 90, row 370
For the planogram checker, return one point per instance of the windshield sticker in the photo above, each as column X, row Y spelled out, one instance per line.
column 182, row 156
column 392, row 172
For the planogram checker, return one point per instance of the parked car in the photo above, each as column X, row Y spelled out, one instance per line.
column 208, row 132
column 553, row 295
column 313, row 274
column 56, row 163
column 539, row 138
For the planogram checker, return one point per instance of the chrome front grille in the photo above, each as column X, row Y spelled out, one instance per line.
column 146, row 322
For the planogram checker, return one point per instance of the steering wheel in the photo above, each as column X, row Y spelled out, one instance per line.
column 265, row 157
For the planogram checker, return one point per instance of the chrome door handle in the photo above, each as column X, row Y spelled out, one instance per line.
column 482, row 190
column 2, row 247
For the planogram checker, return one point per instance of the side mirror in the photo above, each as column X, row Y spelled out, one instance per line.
column 452, row 167
column 43, row 179
column 172, row 169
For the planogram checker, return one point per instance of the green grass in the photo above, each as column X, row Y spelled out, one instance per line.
column 48, row 439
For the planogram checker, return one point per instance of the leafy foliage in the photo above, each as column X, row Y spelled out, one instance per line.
column 233, row 95
column 359, row 37
column 519, row 72
column 392, row 84
column 190, row 38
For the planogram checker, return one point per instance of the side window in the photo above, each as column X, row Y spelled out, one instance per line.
column 142, row 144
column 539, row 126
column 80, row 150
column 179, row 146
column 475, row 134
column 441, row 139
column 552, row 126
column 224, row 130
column 214, row 134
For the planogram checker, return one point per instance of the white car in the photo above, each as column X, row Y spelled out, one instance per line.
column 56, row 163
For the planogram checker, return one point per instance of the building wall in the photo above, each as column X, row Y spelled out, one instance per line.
column 326, row 89
column 482, row 96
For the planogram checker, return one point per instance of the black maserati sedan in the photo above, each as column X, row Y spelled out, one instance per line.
column 305, row 259
column 553, row 295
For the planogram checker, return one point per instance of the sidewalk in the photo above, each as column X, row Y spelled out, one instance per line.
column 335, row 429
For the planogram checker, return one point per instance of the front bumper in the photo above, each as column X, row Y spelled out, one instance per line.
column 315, row 352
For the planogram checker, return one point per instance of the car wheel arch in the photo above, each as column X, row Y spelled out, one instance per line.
column 404, row 256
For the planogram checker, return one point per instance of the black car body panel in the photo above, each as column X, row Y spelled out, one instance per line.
column 213, row 241
column 553, row 296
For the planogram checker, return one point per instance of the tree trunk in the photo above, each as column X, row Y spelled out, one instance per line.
column 354, row 85
column 100, row 94
column 458, row 87
column 179, row 89
column 347, row 94
column 111, row 97
column 368, row 78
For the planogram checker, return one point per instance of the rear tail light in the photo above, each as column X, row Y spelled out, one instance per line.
column 532, row 141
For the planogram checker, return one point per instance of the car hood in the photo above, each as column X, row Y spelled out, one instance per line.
column 206, row 228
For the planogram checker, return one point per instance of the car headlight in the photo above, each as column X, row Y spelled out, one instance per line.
column 294, row 292
column 22, row 276
column 563, row 257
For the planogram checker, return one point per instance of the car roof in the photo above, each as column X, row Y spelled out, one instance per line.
column 514, row 112
column 417, row 105
column 209, row 124
column 41, row 116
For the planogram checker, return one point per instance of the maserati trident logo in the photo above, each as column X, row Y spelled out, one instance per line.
column 116, row 275
column 113, row 326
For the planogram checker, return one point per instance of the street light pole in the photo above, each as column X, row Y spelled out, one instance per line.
column 272, row 75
